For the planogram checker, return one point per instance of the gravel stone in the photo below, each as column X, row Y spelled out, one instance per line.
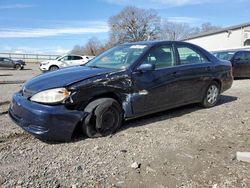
column 185, row 147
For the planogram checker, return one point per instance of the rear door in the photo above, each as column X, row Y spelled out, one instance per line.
column 76, row 60
column 195, row 72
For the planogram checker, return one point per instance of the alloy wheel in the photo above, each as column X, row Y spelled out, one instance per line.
column 212, row 94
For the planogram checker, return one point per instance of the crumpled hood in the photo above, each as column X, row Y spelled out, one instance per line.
column 62, row 78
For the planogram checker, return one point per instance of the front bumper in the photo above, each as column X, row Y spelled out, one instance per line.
column 45, row 122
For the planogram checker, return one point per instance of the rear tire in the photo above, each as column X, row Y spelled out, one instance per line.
column 211, row 96
column 104, row 118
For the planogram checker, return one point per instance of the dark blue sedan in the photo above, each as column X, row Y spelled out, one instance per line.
column 125, row 82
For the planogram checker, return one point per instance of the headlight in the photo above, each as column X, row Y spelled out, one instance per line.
column 51, row 96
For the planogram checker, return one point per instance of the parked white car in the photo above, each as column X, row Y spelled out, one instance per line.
column 64, row 61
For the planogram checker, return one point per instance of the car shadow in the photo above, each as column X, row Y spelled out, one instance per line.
column 12, row 69
column 152, row 118
column 6, row 74
column 241, row 78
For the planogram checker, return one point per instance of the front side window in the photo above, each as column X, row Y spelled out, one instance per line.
column 120, row 57
column 189, row 55
column 65, row 58
column 161, row 57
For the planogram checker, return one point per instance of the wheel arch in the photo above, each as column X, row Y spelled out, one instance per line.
column 112, row 95
column 218, row 81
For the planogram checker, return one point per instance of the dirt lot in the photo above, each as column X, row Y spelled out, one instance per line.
column 184, row 147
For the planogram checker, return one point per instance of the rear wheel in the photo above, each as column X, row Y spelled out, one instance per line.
column 105, row 117
column 211, row 96
column 53, row 68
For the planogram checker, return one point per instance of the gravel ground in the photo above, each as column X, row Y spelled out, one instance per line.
column 185, row 147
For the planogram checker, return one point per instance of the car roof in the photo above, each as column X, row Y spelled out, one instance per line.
column 154, row 42
column 230, row 51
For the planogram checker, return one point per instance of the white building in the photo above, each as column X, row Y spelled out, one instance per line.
column 235, row 37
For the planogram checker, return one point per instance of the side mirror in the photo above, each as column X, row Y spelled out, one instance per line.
column 146, row 67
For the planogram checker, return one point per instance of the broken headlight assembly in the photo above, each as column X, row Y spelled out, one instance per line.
column 51, row 96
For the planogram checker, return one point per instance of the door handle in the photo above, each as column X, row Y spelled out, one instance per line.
column 176, row 74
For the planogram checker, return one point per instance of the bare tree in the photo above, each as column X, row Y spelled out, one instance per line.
column 93, row 47
column 77, row 50
column 133, row 24
column 205, row 27
column 175, row 31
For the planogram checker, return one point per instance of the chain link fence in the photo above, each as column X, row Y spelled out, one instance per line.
column 34, row 58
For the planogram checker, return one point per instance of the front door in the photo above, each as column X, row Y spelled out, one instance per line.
column 155, row 90
column 241, row 64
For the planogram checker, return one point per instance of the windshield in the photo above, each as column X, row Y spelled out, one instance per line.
column 120, row 57
column 57, row 57
column 224, row 55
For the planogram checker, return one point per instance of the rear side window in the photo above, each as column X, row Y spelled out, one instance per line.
column 6, row 59
column 247, row 55
column 76, row 57
column 189, row 55
column 161, row 57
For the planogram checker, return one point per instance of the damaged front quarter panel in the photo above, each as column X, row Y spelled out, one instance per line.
column 116, row 84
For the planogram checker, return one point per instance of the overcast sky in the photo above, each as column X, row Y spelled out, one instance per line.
column 55, row 26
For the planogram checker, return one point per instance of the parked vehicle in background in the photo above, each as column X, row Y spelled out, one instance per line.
column 9, row 63
column 224, row 55
column 64, row 61
column 240, row 61
column 125, row 82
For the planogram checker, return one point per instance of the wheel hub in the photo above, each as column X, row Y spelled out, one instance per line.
column 108, row 120
column 212, row 94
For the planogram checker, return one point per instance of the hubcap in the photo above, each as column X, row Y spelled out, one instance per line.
column 109, row 120
column 53, row 68
column 212, row 94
